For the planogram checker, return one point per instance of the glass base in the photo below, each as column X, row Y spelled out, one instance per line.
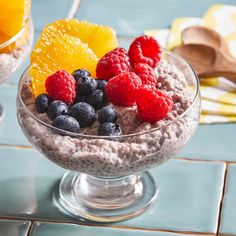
column 107, row 199
column 1, row 113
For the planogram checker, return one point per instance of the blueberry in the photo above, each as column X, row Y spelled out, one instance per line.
column 67, row 123
column 57, row 108
column 86, row 85
column 42, row 102
column 109, row 129
column 83, row 113
column 101, row 84
column 107, row 114
column 81, row 73
column 80, row 98
column 97, row 99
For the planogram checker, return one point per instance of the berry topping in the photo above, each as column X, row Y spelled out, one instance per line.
column 83, row 113
column 145, row 49
column 109, row 129
column 42, row 102
column 113, row 63
column 107, row 114
column 61, row 86
column 86, row 85
column 97, row 99
column 57, row 108
column 81, row 73
column 101, row 84
column 122, row 89
column 146, row 74
column 153, row 104
column 66, row 123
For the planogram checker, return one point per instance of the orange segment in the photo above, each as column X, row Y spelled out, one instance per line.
column 101, row 39
column 69, row 45
column 60, row 52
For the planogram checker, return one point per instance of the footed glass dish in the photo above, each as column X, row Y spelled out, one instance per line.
column 108, row 178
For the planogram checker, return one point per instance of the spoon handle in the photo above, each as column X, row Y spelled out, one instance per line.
column 224, row 67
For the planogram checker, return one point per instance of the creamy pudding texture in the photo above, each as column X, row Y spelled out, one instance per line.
column 9, row 61
column 125, row 155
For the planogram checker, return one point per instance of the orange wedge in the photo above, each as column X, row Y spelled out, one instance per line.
column 101, row 39
column 69, row 45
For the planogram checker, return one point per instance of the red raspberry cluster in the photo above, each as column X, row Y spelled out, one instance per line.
column 132, row 80
column 130, row 77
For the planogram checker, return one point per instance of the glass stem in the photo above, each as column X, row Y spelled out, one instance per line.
column 108, row 193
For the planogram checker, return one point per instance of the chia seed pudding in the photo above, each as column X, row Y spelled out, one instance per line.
column 9, row 62
column 143, row 145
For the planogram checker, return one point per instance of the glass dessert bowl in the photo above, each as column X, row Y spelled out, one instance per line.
column 14, row 47
column 107, row 179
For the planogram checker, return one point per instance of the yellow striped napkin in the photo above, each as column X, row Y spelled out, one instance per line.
column 218, row 94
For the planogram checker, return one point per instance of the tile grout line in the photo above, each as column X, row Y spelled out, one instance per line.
column 16, row 146
column 29, row 233
column 226, row 234
column 32, row 221
column 193, row 233
column 203, row 160
column 222, row 198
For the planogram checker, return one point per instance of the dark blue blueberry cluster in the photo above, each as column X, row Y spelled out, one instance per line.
column 82, row 113
column 90, row 90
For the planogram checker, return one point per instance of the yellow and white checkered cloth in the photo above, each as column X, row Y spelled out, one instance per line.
column 218, row 94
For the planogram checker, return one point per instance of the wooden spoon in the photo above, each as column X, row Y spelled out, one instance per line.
column 205, row 36
column 207, row 61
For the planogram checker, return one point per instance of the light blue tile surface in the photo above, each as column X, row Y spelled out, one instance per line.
column 47, row 11
column 29, row 182
column 212, row 142
column 46, row 229
column 189, row 200
column 14, row 227
column 189, row 192
column 228, row 216
column 132, row 17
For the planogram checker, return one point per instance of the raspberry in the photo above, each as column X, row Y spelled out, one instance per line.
column 122, row 89
column 113, row 63
column 146, row 74
column 145, row 49
column 61, row 86
column 153, row 104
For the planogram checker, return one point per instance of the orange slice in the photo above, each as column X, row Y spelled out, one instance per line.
column 60, row 52
column 101, row 39
column 69, row 44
